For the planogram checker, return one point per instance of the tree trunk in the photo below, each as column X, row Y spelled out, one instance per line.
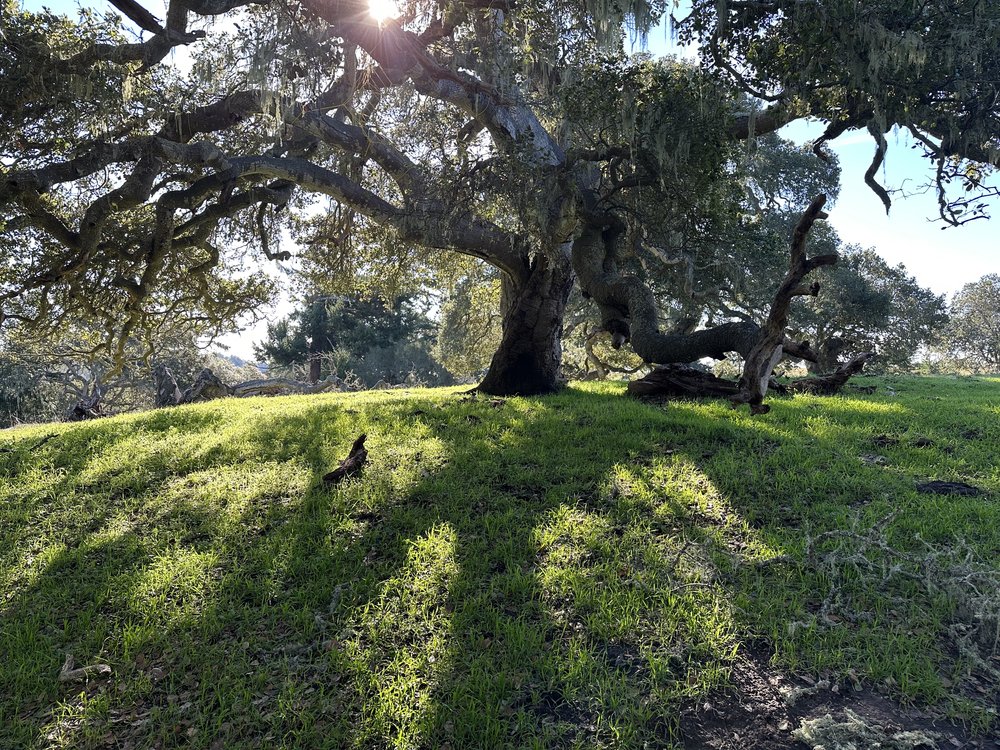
column 165, row 385
column 530, row 354
column 314, row 365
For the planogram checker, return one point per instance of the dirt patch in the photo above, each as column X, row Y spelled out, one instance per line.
column 762, row 708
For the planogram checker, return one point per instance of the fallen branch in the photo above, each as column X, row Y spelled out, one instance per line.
column 81, row 674
column 208, row 386
column 165, row 385
column 88, row 407
column 682, row 381
column 827, row 385
column 351, row 465
column 283, row 386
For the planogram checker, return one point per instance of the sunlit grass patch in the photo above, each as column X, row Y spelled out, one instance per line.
column 399, row 646
column 172, row 590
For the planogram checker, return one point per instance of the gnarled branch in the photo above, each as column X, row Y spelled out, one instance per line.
column 768, row 348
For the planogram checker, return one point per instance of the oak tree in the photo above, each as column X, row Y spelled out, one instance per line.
column 518, row 134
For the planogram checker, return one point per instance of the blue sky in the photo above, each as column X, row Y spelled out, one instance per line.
column 940, row 260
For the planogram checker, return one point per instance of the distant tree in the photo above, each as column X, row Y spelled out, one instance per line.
column 973, row 333
column 868, row 305
column 332, row 335
column 71, row 377
column 24, row 394
column 470, row 322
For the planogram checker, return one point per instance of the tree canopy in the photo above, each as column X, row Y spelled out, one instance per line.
column 132, row 189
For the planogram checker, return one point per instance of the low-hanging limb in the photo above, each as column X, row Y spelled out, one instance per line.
column 628, row 308
column 629, row 312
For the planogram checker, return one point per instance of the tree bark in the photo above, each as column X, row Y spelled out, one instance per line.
column 167, row 391
column 771, row 345
column 528, row 361
column 314, row 365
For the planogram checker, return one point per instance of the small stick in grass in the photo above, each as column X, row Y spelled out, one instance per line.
column 352, row 464
column 35, row 446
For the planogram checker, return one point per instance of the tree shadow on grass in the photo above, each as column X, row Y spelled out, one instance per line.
column 552, row 572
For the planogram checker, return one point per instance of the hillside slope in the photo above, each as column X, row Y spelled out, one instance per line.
column 574, row 570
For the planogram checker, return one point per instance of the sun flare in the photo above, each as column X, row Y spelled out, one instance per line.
column 383, row 10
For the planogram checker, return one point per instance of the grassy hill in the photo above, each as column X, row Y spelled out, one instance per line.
column 580, row 570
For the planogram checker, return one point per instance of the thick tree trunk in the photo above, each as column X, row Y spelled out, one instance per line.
column 529, row 358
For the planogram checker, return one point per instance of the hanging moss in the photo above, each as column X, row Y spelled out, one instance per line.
column 856, row 733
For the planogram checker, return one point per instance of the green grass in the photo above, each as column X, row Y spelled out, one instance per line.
column 564, row 571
